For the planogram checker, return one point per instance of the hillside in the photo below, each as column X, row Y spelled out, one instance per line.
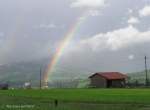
column 19, row 73
column 140, row 76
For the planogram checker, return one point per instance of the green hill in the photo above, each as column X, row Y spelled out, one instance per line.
column 19, row 73
column 139, row 76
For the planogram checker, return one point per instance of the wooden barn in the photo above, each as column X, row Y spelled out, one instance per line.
column 108, row 80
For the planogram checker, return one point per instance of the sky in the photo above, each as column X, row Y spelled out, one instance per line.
column 113, row 35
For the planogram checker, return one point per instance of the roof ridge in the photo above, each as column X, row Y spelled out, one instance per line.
column 110, row 75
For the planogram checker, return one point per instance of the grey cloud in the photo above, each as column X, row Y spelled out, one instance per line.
column 1, row 34
column 23, row 42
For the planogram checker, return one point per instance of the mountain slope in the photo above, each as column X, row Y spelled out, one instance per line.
column 139, row 76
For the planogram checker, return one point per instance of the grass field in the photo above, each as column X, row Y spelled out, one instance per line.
column 75, row 99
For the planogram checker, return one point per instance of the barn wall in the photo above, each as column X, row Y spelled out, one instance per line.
column 97, row 81
column 118, row 83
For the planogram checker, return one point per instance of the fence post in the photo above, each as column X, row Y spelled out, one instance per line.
column 56, row 102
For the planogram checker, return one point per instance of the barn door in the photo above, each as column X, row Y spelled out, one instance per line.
column 109, row 83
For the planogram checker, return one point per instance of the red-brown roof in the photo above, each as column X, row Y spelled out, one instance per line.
column 111, row 75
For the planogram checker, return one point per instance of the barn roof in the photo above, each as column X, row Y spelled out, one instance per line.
column 111, row 75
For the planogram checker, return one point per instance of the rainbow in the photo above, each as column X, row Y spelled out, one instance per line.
column 59, row 51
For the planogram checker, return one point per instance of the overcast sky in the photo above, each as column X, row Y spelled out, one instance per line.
column 114, row 34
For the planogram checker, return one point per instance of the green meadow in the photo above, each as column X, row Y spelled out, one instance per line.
column 75, row 99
